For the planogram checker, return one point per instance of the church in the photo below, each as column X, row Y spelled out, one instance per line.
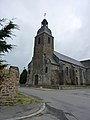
column 49, row 67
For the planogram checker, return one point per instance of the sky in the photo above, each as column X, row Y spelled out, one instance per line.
column 69, row 21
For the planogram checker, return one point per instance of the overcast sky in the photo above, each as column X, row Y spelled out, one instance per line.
column 69, row 21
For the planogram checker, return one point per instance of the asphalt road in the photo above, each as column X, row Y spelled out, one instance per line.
column 62, row 104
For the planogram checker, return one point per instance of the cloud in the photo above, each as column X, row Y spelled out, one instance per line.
column 68, row 20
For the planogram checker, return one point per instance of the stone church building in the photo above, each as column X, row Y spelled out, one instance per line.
column 49, row 67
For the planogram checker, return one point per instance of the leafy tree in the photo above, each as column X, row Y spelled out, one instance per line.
column 6, row 31
column 23, row 77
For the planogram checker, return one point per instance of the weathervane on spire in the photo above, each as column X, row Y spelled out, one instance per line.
column 44, row 15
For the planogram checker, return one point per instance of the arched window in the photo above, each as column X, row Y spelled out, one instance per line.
column 46, row 69
column 76, row 80
column 29, row 71
column 39, row 40
column 67, row 71
column 36, row 79
column 48, row 40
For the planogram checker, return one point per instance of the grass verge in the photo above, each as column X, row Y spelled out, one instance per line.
column 22, row 100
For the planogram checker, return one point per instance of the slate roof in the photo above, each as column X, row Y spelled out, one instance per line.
column 53, row 61
column 68, row 59
column 86, row 63
column 44, row 28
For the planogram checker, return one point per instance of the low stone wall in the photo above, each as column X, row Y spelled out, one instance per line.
column 60, row 87
column 9, row 83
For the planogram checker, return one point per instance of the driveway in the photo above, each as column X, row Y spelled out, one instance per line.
column 64, row 104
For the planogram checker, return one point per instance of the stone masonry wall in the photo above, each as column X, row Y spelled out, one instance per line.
column 9, row 82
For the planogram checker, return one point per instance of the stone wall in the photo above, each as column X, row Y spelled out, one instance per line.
column 9, row 83
column 86, row 63
column 88, row 76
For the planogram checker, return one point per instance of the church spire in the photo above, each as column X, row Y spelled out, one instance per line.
column 44, row 22
column 44, row 28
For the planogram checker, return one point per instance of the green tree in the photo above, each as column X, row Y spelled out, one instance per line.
column 6, row 31
column 23, row 77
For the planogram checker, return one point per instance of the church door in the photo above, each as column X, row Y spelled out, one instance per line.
column 36, row 79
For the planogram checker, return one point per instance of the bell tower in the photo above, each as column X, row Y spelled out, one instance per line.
column 43, row 48
column 43, row 41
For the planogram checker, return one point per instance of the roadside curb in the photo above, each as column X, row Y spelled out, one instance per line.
column 31, row 115
column 44, row 89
